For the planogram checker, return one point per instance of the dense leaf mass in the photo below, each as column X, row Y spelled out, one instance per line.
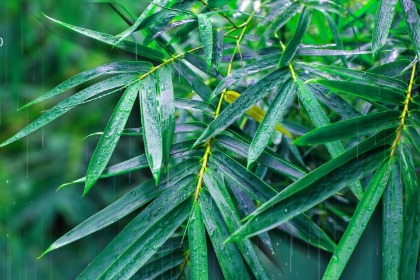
column 231, row 96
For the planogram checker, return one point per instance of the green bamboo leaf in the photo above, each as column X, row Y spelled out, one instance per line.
column 228, row 255
column 367, row 92
column 194, row 80
column 360, row 126
column 194, row 105
column 143, row 236
column 167, row 110
column 293, row 45
column 392, row 224
column 206, row 37
column 414, row 138
column 412, row 21
column 251, row 184
column 128, row 203
column 71, row 102
column 275, row 114
column 310, row 191
column 224, row 203
column 382, row 24
column 255, row 67
column 197, row 244
column 152, row 133
column 146, row 53
column 364, row 76
column 267, row 158
column 139, row 21
column 218, row 47
column 336, row 35
column 247, row 99
column 391, row 69
column 106, row 69
column 327, row 52
column 286, row 14
column 109, row 139
column 411, row 232
column 319, row 118
column 358, row 222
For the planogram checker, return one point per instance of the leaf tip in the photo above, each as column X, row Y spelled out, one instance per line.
column 49, row 249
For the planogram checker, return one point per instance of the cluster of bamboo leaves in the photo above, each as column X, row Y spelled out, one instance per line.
column 231, row 97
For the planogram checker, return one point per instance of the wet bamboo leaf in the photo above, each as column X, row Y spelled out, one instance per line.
column 71, row 102
column 152, row 133
column 206, row 37
column 197, row 244
column 281, row 19
column 275, row 113
column 167, row 111
column 293, row 45
column 412, row 21
column 382, row 24
column 358, row 222
column 247, row 99
column 194, row 105
column 360, row 126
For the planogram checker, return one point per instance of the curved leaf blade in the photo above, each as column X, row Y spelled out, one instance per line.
column 382, row 24
column 206, row 37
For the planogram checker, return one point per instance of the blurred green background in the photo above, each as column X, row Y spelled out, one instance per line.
column 34, row 58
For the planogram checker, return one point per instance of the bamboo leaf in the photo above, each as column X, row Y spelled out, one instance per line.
column 382, row 24
column 109, row 139
column 412, row 21
column 71, row 102
column 360, row 126
column 106, row 69
column 275, row 113
column 197, row 245
column 167, row 110
column 293, row 45
column 358, row 222
column 286, row 14
column 152, row 133
column 206, row 37
column 392, row 223
column 247, row 99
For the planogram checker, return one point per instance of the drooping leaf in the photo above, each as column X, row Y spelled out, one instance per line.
column 247, row 99
column 358, row 222
column 228, row 255
column 152, row 131
column 131, row 249
column 360, row 126
column 412, row 21
column 194, row 80
column 336, row 35
column 392, row 223
column 106, row 69
column 206, row 37
column 110, row 137
column 411, row 231
column 71, row 102
column 194, row 105
column 286, row 14
column 167, row 110
column 382, row 24
column 197, row 244
column 274, row 114
column 157, row 268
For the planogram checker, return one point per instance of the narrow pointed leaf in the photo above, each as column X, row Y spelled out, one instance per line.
column 131, row 249
column 71, row 102
column 218, row 48
column 109, row 139
column 106, row 69
column 152, row 133
column 382, row 24
column 194, row 80
column 358, row 223
column 281, row 19
column 194, row 105
column 411, row 232
column 293, row 45
column 336, row 35
column 367, row 92
column 360, row 126
column 197, row 245
column 275, row 114
column 412, row 21
column 313, row 191
column 247, row 99
column 147, row 53
column 224, row 203
column 157, row 268
column 392, row 224
column 228, row 255
column 167, row 110
column 206, row 37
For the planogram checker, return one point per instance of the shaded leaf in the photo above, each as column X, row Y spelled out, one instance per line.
column 197, row 244
column 206, row 37
column 412, row 21
column 382, row 24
